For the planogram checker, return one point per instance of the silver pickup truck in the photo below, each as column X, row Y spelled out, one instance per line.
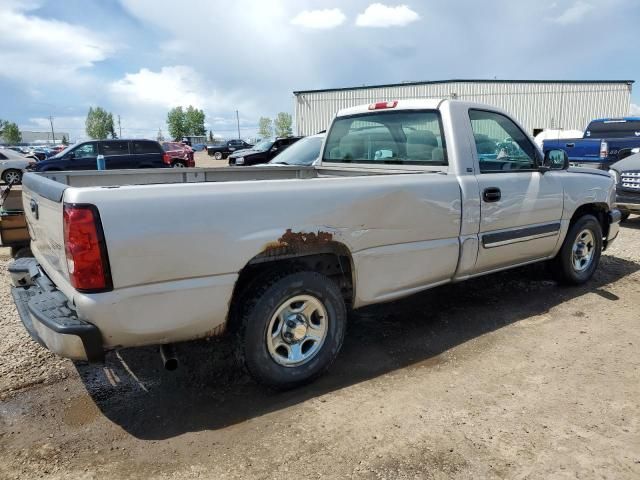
column 408, row 195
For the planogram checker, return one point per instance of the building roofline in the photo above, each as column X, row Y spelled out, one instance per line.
column 436, row 82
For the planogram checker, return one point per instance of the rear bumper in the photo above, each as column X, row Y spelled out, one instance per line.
column 49, row 318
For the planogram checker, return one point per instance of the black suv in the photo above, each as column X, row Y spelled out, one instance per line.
column 136, row 153
column 223, row 150
column 262, row 152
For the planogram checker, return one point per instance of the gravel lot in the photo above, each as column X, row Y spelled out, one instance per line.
column 509, row 376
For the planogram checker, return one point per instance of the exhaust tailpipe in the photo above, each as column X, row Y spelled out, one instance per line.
column 168, row 356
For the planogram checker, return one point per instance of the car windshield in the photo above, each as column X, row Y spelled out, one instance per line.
column 304, row 152
column 263, row 146
column 63, row 152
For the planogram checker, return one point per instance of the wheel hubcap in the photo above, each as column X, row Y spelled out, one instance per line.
column 178, row 165
column 297, row 330
column 12, row 177
column 583, row 248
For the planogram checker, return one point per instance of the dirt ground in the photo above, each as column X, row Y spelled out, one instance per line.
column 508, row 376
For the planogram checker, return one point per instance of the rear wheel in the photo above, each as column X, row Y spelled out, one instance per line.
column 579, row 256
column 178, row 164
column 292, row 329
column 12, row 176
column 217, row 155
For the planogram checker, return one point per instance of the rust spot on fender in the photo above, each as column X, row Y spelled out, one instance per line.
column 292, row 241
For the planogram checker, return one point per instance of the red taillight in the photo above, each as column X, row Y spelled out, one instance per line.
column 86, row 252
column 166, row 158
column 383, row 105
column 604, row 149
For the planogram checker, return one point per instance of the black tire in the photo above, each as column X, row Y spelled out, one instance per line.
column 218, row 156
column 178, row 164
column 262, row 303
column 563, row 267
column 12, row 172
column 21, row 252
column 625, row 216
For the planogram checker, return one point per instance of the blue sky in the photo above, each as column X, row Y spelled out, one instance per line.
column 139, row 58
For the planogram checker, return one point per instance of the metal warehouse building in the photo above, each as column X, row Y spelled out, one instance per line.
column 536, row 104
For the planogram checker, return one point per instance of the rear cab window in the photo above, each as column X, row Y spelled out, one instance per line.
column 407, row 137
column 614, row 128
column 142, row 146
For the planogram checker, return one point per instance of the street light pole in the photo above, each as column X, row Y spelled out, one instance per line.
column 53, row 135
column 238, row 121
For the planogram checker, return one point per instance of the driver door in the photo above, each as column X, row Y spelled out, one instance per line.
column 84, row 157
column 520, row 207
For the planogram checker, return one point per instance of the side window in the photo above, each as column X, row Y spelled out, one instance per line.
column 3, row 156
column 86, row 150
column 500, row 144
column 115, row 148
column 140, row 147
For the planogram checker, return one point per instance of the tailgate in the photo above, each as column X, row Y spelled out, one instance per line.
column 42, row 199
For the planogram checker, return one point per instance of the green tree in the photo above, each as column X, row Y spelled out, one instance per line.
column 282, row 125
column 99, row 124
column 65, row 140
column 194, row 121
column 3, row 124
column 11, row 133
column 265, row 127
column 176, row 123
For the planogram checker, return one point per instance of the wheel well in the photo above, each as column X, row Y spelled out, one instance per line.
column 333, row 260
column 598, row 210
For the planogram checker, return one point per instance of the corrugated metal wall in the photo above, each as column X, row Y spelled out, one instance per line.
column 534, row 105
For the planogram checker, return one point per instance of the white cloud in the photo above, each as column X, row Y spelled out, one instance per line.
column 171, row 86
column 379, row 15
column 33, row 49
column 320, row 19
column 634, row 110
column 574, row 13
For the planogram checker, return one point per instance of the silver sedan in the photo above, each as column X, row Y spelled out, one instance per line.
column 12, row 165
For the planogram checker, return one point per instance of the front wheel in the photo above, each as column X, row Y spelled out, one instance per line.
column 217, row 155
column 292, row 329
column 579, row 256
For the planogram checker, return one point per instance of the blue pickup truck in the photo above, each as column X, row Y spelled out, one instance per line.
column 605, row 141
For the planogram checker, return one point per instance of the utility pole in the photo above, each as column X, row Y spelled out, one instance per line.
column 53, row 135
column 238, row 121
column 119, row 127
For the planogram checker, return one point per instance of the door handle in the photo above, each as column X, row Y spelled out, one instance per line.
column 491, row 194
column 570, row 145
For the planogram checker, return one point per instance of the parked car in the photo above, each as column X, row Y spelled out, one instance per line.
column 262, row 152
column 12, row 165
column 626, row 174
column 198, row 147
column 119, row 154
column 601, row 142
column 39, row 154
column 305, row 151
column 181, row 155
column 391, row 209
column 225, row 149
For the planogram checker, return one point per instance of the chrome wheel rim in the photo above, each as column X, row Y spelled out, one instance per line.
column 178, row 165
column 583, row 250
column 297, row 330
column 12, row 177
column 218, row 156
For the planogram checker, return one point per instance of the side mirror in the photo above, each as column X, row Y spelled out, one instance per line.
column 71, row 155
column 274, row 149
column 555, row 160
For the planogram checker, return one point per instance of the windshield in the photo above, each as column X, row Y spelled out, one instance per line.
column 397, row 137
column 263, row 146
column 63, row 152
column 304, row 152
